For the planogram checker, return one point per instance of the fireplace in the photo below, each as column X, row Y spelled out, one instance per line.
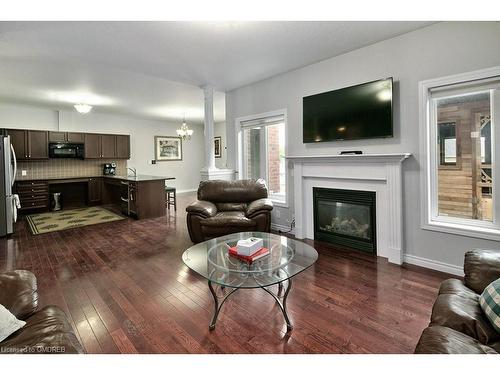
column 346, row 218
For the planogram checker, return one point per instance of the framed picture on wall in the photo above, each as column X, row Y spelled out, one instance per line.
column 218, row 147
column 168, row 148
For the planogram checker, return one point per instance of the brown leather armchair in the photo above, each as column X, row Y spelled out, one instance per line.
column 46, row 331
column 225, row 207
column 458, row 325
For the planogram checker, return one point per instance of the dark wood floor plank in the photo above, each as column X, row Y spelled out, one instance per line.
column 125, row 290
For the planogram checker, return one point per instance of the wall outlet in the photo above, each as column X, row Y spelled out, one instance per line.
column 153, row 161
column 24, row 172
column 277, row 213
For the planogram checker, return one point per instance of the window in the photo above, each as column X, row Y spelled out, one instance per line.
column 447, row 143
column 262, row 152
column 460, row 140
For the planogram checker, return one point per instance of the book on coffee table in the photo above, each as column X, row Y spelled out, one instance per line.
column 233, row 251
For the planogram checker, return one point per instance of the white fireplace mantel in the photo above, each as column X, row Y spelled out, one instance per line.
column 381, row 173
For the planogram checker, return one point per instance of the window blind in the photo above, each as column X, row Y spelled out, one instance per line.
column 263, row 121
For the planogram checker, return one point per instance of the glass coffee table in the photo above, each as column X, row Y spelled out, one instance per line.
column 287, row 258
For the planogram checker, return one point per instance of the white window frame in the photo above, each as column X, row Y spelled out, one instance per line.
column 239, row 142
column 430, row 220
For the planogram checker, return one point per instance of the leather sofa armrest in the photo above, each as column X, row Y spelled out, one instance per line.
column 263, row 204
column 18, row 292
column 203, row 208
column 481, row 267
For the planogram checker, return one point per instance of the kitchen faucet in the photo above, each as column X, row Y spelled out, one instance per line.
column 134, row 171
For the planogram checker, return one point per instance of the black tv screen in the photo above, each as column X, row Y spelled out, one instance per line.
column 356, row 112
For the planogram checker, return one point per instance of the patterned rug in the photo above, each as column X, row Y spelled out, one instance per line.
column 60, row 220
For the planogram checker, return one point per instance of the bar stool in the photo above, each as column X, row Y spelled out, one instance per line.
column 170, row 197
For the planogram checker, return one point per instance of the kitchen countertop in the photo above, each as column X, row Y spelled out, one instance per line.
column 127, row 178
column 141, row 177
column 55, row 178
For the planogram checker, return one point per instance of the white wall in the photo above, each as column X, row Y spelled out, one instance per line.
column 27, row 117
column 220, row 131
column 438, row 50
column 142, row 132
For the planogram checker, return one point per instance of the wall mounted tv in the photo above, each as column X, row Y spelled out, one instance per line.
column 355, row 112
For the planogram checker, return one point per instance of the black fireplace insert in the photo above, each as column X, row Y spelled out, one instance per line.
column 346, row 218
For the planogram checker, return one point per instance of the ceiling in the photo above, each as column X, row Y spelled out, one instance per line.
column 155, row 69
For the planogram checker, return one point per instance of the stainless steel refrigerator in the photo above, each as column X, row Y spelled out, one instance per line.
column 8, row 169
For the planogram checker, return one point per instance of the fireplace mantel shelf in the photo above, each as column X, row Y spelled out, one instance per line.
column 393, row 157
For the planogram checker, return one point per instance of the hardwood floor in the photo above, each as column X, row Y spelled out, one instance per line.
column 125, row 289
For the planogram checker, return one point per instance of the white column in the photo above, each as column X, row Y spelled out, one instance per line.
column 208, row 92
column 210, row 171
column 395, row 207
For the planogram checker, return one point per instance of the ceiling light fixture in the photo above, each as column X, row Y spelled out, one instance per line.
column 83, row 108
column 184, row 132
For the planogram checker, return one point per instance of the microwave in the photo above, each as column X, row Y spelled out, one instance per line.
column 67, row 150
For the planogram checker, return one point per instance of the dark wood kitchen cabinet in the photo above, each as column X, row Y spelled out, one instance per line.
column 92, row 146
column 57, row 137
column 108, row 146
column 75, row 137
column 18, row 141
column 38, row 144
column 94, row 190
column 34, row 144
column 70, row 137
column 33, row 194
column 30, row 144
column 123, row 147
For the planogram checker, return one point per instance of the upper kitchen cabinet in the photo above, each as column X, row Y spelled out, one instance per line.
column 75, row 137
column 123, row 147
column 107, row 146
column 19, row 142
column 69, row 137
column 57, row 137
column 92, row 146
column 38, row 144
column 30, row 144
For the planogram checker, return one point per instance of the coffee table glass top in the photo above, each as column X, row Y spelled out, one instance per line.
column 287, row 257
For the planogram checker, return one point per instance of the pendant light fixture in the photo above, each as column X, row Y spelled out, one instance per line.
column 184, row 132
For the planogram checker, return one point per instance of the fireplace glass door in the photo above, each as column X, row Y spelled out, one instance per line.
column 345, row 217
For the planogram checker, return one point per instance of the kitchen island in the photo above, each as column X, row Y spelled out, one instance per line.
column 140, row 196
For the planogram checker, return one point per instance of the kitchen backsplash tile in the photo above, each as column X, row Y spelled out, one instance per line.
column 57, row 168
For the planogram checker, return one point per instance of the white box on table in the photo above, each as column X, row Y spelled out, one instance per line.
column 249, row 246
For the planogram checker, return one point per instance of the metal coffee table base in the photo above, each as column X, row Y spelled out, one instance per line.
column 282, row 306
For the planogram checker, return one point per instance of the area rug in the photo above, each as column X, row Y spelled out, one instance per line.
column 61, row 220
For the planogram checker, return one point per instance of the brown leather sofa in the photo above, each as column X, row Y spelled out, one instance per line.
column 225, row 207
column 458, row 324
column 46, row 331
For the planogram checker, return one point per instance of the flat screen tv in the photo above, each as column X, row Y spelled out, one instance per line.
column 355, row 112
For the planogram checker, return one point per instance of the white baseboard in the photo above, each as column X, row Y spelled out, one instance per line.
column 434, row 265
column 410, row 259
column 283, row 228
